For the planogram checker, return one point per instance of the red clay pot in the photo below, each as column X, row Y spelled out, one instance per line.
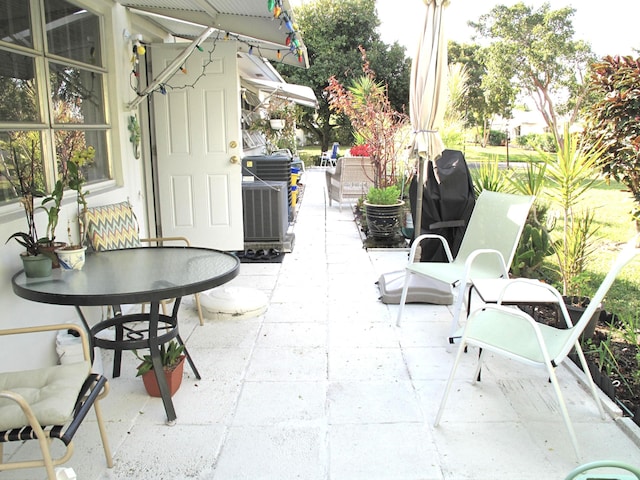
column 174, row 379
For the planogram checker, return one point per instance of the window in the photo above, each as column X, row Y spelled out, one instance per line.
column 52, row 92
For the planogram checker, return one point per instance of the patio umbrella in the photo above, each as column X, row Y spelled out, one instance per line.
column 427, row 97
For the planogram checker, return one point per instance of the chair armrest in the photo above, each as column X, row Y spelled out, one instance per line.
column 434, row 236
column 483, row 252
column 50, row 328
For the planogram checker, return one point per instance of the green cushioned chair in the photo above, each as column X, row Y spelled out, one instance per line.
column 510, row 332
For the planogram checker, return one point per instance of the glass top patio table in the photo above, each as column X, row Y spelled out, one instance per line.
column 136, row 275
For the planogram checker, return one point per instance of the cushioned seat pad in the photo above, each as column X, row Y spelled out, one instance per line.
column 51, row 392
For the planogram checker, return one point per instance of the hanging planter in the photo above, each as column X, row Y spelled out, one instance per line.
column 277, row 123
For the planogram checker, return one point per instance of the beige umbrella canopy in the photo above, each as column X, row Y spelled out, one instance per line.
column 428, row 95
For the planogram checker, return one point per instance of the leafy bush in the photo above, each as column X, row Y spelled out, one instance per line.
column 537, row 141
column 497, row 138
column 612, row 120
column 383, row 196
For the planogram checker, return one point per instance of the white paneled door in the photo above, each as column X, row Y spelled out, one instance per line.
column 199, row 144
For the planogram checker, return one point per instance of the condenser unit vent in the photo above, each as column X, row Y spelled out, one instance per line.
column 265, row 211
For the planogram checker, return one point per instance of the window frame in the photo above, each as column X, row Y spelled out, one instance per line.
column 46, row 124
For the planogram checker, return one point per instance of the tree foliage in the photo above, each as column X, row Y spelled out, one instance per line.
column 614, row 120
column 533, row 52
column 332, row 33
column 376, row 123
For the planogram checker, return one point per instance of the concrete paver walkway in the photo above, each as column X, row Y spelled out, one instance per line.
column 323, row 386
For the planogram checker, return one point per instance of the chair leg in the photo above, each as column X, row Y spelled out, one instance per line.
column 403, row 297
column 447, row 388
column 563, row 409
column 103, row 432
column 199, row 308
column 457, row 311
column 587, row 373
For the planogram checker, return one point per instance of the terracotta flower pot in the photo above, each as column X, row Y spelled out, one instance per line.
column 174, row 379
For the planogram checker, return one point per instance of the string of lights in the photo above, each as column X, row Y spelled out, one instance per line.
column 292, row 41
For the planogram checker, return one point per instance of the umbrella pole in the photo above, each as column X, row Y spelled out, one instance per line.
column 417, row 222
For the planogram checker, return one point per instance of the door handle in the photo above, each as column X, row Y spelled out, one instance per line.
column 234, row 159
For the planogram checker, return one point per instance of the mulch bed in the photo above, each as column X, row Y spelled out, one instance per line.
column 619, row 378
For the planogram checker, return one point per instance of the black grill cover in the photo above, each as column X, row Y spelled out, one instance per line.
column 447, row 202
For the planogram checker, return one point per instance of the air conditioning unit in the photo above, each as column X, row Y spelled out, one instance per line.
column 265, row 207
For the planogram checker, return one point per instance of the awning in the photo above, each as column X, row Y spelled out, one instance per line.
column 300, row 94
column 250, row 22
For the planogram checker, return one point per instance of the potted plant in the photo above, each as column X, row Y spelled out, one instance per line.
column 72, row 256
column 172, row 359
column 377, row 127
column 383, row 209
column 48, row 244
column 25, row 182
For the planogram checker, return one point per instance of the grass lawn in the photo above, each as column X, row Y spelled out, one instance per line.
column 613, row 206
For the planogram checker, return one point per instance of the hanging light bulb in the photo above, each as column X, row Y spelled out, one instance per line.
column 163, row 90
column 271, row 4
column 277, row 11
column 278, row 55
column 140, row 50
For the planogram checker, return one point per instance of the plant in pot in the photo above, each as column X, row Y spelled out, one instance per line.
column 72, row 256
column 24, row 174
column 378, row 126
column 48, row 244
column 172, row 359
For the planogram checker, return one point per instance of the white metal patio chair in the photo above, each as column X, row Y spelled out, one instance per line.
column 48, row 403
column 510, row 332
column 487, row 249
column 329, row 158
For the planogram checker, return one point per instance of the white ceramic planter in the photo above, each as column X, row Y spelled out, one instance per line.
column 71, row 259
column 277, row 123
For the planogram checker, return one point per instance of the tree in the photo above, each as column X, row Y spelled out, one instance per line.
column 533, row 52
column 614, row 120
column 332, row 33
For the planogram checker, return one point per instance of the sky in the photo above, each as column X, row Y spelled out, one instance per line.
column 610, row 31
column 613, row 31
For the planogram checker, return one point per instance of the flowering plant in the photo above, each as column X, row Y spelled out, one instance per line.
column 79, row 159
column 374, row 120
column 361, row 150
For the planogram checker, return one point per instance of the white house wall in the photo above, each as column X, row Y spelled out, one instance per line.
column 129, row 182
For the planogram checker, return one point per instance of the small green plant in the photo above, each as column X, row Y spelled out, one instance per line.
column 383, row 196
column 53, row 211
column 489, row 177
column 169, row 356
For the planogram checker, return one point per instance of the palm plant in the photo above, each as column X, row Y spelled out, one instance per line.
column 571, row 174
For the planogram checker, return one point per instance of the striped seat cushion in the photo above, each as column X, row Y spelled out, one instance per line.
column 111, row 227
